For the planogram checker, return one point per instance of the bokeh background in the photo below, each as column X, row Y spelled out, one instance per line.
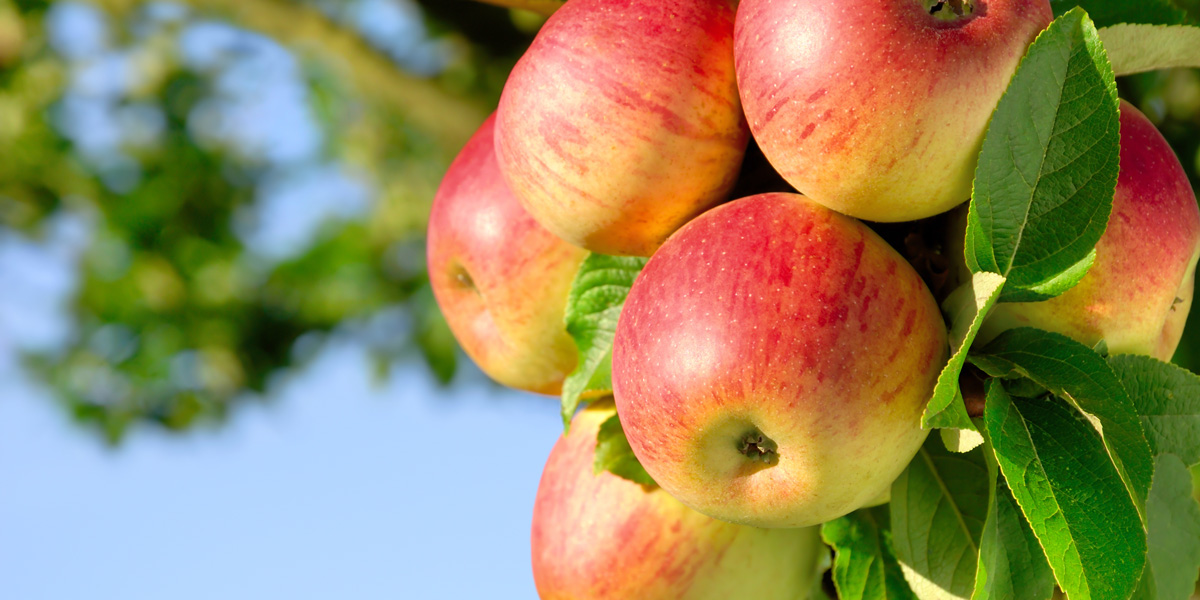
column 222, row 373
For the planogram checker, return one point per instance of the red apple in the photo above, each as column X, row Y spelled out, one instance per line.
column 500, row 278
column 1137, row 295
column 597, row 536
column 772, row 361
column 878, row 108
column 622, row 122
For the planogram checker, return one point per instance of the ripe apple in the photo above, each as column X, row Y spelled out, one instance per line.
column 772, row 361
column 500, row 278
column 878, row 109
column 1137, row 295
column 598, row 536
column 622, row 121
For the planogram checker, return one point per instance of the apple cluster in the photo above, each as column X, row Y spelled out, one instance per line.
column 773, row 358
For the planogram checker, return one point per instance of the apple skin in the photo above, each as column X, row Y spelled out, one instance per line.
column 622, row 121
column 598, row 536
column 773, row 314
column 1137, row 295
column 875, row 108
column 500, row 279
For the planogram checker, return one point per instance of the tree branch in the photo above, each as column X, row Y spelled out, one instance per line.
column 450, row 119
column 543, row 7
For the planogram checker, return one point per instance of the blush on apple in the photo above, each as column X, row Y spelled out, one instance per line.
column 878, row 108
column 622, row 121
column 772, row 361
column 600, row 537
column 500, row 278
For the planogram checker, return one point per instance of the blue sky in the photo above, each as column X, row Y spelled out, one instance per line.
column 339, row 486
column 338, row 489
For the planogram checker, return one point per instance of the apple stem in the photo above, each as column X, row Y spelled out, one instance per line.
column 756, row 446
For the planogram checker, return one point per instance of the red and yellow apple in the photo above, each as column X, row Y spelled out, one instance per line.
column 500, row 278
column 878, row 109
column 598, row 536
column 772, row 361
column 622, row 121
column 1137, row 295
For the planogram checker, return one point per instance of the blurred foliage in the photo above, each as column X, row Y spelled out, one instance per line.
column 177, row 315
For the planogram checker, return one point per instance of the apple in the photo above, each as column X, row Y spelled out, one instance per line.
column 500, row 278
column 1137, row 295
column 878, row 109
column 598, row 536
column 622, row 121
column 772, row 361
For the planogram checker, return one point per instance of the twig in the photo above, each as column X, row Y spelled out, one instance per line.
column 543, row 7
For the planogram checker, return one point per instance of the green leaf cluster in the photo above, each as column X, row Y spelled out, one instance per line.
column 1081, row 484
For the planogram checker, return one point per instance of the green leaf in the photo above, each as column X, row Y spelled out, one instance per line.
column 967, row 306
column 1057, row 284
column 614, row 455
column 1012, row 565
column 1140, row 48
column 938, row 507
column 1173, row 561
column 864, row 564
column 1059, row 472
column 1168, row 399
column 1024, row 388
column 1073, row 371
column 593, row 307
column 1048, row 169
column 1111, row 12
column 960, row 440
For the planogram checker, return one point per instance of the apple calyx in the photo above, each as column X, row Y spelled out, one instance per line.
column 756, row 446
column 950, row 10
column 464, row 279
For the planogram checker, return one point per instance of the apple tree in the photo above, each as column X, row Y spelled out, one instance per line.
column 911, row 343
column 116, row 125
